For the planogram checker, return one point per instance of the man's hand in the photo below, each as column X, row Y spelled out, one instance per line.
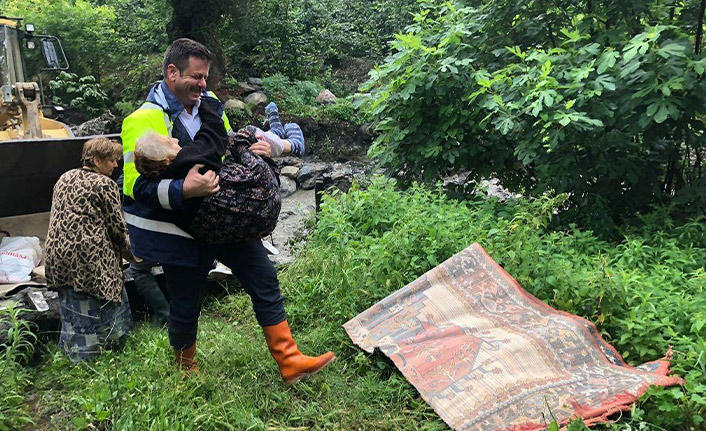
column 197, row 185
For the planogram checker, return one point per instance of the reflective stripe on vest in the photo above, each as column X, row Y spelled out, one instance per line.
column 155, row 225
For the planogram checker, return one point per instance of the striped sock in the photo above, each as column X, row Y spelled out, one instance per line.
column 273, row 120
column 294, row 134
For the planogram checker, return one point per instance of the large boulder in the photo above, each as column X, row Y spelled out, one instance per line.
column 309, row 173
column 235, row 104
column 102, row 125
column 289, row 172
column 257, row 98
column 287, row 186
column 254, row 81
column 325, row 97
column 246, row 88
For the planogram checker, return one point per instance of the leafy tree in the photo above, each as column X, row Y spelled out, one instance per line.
column 602, row 106
column 140, row 38
column 84, row 28
column 199, row 20
column 305, row 38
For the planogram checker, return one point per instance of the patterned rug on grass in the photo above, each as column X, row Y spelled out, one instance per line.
column 487, row 355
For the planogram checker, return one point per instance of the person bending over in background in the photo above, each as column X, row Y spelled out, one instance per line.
column 86, row 242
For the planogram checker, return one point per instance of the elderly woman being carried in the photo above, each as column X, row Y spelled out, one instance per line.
column 248, row 203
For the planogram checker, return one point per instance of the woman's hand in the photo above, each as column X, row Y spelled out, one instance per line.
column 276, row 143
column 261, row 148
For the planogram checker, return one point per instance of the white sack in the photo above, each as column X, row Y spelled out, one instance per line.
column 18, row 257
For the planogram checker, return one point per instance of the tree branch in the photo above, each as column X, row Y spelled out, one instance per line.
column 700, row 28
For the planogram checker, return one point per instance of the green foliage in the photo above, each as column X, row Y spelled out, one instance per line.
column 13, row 377
column 298, row 98
column 138, row 39
column 82, row 93
column 236, row 115
column 82, row 26
column 303, row 39
column 571, row 107
column 124, row 108
column 295, row 97
column 342, row 110
column 644, row 293
column 119, row 42
column 139, row 388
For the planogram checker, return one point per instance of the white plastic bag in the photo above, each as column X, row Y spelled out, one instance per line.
column 18, row 257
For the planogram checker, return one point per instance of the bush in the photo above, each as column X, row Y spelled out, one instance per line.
column 617, row 122
column 82, row 93
column 295, row 97
column 342, row 110
column 124, row 108
column 305, row 39
column 645, row 293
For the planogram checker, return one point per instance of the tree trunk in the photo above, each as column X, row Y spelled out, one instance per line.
column 199, row 20
column 700, row 28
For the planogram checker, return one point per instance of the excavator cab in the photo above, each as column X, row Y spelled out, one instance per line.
column 21, row 115
column 34, row 150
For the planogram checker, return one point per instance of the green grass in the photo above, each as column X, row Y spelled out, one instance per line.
column 645, row 293
column 239, row 387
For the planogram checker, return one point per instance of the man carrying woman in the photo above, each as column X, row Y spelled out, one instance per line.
column 151, row 206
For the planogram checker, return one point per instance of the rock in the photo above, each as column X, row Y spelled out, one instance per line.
column 325, row 97
column 257, row 98
column 309, row 173
column 291, row 228
column 290, row 172
column 235, row 104
column 289, row 161
column 254, row 81
column 287, row 186
column 97, row 126
column 340, row 172
column 341, row 176
column 365, row 131
column 248, row 88
column 44, row 321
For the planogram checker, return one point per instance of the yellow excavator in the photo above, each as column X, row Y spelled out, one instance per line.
column 21, row 114
column 34, row 149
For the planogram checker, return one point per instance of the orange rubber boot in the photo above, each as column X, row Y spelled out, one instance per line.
column 186, row 359
column 293, row 365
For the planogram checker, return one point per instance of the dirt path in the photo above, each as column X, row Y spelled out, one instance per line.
column 295, row 209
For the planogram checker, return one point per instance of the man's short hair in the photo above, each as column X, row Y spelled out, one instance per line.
column 102, row 149
column 179, row 52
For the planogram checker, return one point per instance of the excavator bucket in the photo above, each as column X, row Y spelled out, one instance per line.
column 29, row 168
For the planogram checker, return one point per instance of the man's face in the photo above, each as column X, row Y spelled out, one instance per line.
column 188, row 85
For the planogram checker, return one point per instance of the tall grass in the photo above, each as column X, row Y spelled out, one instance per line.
column 15, row 352
column 645, row 293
